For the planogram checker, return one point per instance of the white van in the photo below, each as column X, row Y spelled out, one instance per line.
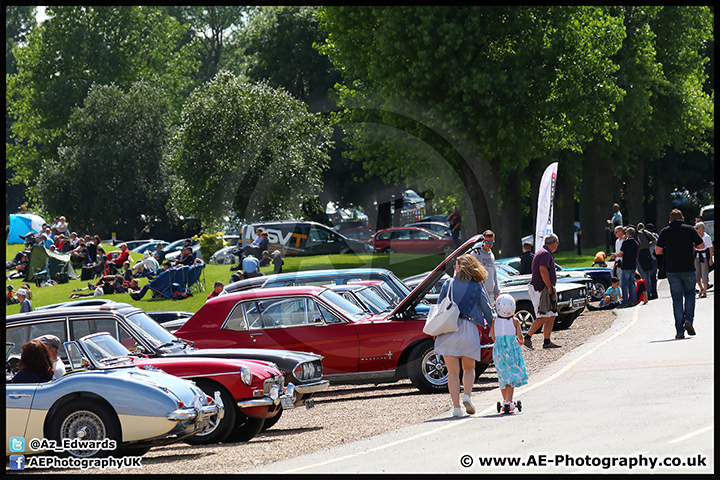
column 708, row 215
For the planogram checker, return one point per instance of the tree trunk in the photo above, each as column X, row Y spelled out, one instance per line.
column 509, row 236
column 564, row 211
column 662, row 198
column 634, row 187
column 477, row 216
column 595, row 199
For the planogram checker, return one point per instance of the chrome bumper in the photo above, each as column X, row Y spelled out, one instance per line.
column 273, row 398
column 199, row 412
column 318, row 386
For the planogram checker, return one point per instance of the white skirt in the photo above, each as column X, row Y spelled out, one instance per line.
column 464, row 342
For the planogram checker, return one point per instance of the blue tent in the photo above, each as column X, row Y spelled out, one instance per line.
column 22, row 224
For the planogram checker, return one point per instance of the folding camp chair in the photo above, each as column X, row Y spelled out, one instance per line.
column 161, row 286
column 194, row 283
column 180, row 276
column 41, row 275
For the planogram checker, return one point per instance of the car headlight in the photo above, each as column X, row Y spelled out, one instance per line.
column 304, row 371
column 560, row 297
column 246, row 375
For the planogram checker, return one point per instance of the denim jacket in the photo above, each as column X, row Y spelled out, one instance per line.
column 471, row 299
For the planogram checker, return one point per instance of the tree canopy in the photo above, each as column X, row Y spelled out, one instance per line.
column 503, row 85
column 245, row 148
column 73, row 49
column 109, row 175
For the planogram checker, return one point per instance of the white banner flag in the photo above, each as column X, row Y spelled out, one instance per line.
column 546, row 200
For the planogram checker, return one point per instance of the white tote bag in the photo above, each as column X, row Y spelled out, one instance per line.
column 442, row 317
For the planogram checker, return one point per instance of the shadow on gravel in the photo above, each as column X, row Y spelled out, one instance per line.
column 175, row 458
column 361, row 393
column 275, row 432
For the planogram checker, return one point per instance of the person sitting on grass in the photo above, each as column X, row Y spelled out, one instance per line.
column 611, row 298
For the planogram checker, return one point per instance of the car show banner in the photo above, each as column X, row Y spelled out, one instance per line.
column 546, row 200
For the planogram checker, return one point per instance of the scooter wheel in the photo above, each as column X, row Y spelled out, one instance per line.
column 506, row 409
column 499, row 407
column 519, row 406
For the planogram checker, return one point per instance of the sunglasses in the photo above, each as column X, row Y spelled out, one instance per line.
column 489, row 242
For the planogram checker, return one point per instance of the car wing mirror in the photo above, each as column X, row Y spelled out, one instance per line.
column 138, row 350
column 75, row 356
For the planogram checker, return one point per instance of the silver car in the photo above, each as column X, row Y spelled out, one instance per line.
column 572, row 298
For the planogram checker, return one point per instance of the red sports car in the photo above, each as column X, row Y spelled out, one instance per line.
column 357, row 346
column 411, row 240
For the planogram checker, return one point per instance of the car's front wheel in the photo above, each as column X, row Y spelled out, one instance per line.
column 563, row 322
column 598, row 289
column 269, row 422
column 525, row 313
column 427, row 371
column 87, row 420
column 219, row 429
column 245, row 428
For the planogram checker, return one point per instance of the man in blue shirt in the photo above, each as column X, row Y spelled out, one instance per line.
column 251, row 267
column 616, row 220
column 25, row 305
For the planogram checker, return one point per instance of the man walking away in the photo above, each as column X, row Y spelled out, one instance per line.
column 455, row 225
column 542, row 291
column 526, row 258
column 676, row 242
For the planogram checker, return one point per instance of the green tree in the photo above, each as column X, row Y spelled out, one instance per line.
column 19, row 20
column 665, row 111
column 108, row 175
column 245, row 149
column 277, row 45
column 492, row 87
column 74, row 48
column 210, row 28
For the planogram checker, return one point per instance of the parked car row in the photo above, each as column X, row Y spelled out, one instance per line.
column 255, row 385
column 105, row 398
column 600, row 276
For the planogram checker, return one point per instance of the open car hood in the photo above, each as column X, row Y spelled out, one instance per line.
column 406, row 308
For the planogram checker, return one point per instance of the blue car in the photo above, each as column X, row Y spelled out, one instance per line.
column 395, row 290
column 600, row 275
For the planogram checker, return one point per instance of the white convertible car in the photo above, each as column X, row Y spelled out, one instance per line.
column 136, row 408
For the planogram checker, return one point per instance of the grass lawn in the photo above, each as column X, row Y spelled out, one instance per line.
column 403, row 265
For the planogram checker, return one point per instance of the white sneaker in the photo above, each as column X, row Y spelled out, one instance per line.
column 457, row 412
column 469, row 407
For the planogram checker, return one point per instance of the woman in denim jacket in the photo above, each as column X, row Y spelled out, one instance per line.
column 463, row 345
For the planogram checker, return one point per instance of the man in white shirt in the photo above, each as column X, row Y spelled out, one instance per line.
column 53, row 344
column 486, row 258
column 146, row 266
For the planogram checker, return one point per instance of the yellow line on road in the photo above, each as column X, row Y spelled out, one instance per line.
column 690, row 435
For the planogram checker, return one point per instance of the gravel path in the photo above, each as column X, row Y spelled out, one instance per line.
column 345, row 414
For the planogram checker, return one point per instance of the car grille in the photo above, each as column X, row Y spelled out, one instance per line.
column 573, row 294
column 278, row 380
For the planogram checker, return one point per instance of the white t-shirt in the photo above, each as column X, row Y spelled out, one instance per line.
column 59, row 368
column 707, row 240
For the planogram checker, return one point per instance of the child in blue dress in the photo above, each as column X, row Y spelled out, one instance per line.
column 507, row 355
